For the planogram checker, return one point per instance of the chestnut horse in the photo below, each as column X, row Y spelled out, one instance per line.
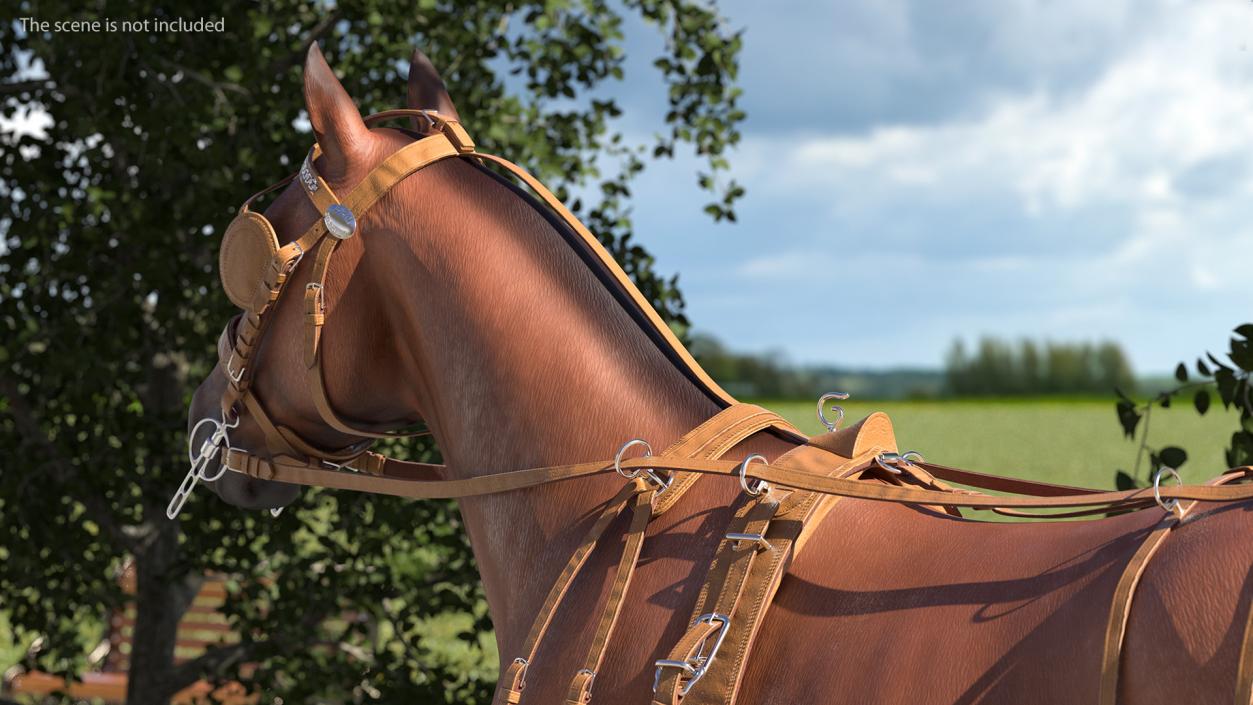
column 464, row 304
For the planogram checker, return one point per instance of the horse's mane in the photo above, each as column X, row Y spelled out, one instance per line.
column 619, row 285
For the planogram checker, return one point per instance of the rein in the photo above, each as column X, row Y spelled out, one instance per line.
column 784, row 497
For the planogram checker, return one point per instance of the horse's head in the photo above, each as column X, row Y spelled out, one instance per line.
column 497, row 319
column 348, row 151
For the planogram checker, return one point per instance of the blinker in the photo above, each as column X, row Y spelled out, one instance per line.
column 340, row 222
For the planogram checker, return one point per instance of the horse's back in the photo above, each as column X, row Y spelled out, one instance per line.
column 891, row 604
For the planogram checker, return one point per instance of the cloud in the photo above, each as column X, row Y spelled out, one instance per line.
column 1056, row 198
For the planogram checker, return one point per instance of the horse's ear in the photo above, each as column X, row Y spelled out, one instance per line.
column 426, row 88
column 337, row 124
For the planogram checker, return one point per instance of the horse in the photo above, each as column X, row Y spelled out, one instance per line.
column 465, row 304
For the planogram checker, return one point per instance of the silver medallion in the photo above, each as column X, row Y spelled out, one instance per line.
column 340, row 221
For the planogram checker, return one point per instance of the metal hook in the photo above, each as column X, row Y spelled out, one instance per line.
column 663, row 483
column 839, row 410
column 762, row 485
column 1170, row 505
column 883, row 460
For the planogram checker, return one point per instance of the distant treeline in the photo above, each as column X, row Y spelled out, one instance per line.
column 992, row 368
column 998, row 368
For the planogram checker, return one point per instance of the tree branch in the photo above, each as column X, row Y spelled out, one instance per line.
column 21, row 86
column 214, row 659
column 62, row 469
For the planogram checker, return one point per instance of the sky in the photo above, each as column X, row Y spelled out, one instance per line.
column 920, row 171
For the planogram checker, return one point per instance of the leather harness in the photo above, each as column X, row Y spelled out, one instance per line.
column 785, row 497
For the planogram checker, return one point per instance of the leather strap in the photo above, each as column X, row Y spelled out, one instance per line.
column 778, row 473
column 744, row 595
column 1244, row 670
column 1120, row 609
column 721, row 432
column 718, row 597
column 580, row 691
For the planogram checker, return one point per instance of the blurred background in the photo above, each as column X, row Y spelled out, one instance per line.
column 1020, row 228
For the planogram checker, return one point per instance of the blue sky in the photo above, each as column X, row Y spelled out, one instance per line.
column 919, row 171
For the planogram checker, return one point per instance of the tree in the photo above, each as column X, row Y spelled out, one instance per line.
column 1227, row 378
column 999, row 368
column 109, row 306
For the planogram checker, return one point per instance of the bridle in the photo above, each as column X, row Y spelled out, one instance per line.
column 257, row 272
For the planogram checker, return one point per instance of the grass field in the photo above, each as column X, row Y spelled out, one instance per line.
column 1071, row 441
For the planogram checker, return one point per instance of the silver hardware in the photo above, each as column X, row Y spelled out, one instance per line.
column 1170, row 505
column 275, row 511
column 522, row 671
column 214, row 445
column 696, row 666
column 591, row 678
column 340, row 222
column 762, row 485
column 762, row 543
column 669, row 663
column 663, row 483
column 235, row 376
column 883, row 460
column 839, row 410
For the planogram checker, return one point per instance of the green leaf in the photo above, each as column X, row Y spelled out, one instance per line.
column 1201, row 368
column 1201, row 401
column 1181, row 373
column 1128, row 417
column 1172, row 456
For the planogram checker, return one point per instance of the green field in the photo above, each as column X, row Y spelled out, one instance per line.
column 1076, row 442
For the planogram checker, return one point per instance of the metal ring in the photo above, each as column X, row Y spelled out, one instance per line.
column 762, row 485
column 839, row 410
column 617, row 459
column 191, row 437
column 1170, row 505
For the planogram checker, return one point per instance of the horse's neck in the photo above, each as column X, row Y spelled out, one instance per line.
column 524, row 360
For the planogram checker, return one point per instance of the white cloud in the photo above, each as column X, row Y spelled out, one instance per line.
column 1117, row 207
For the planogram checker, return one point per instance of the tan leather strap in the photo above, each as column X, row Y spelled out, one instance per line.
column 721, row 432
column 777, row 473
column 514, row 679
column 1244, row 670
column 712, row 439
column 718, row 597
column 382, row 179
column 1120, row 609
column 580, row 691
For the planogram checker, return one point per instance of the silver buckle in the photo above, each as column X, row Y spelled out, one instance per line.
column 235, row 376
column 696, row 666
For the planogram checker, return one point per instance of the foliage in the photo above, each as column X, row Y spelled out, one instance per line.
column 1228, row 379
column 999, row 368
column 109, row 307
